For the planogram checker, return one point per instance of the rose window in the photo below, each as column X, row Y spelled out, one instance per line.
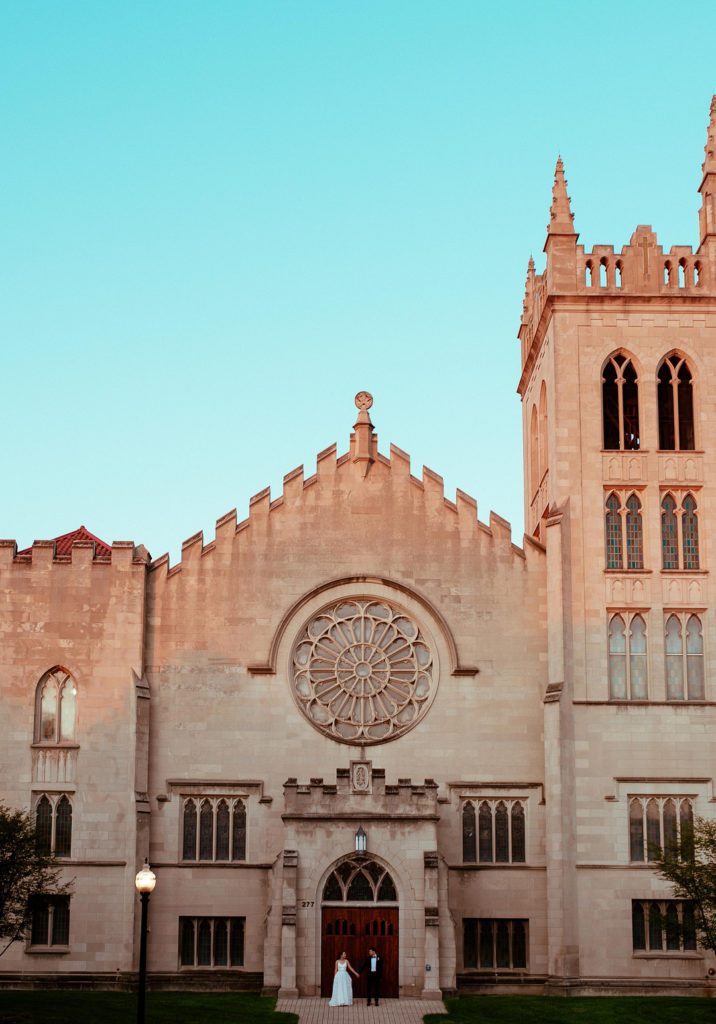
column 362, row 672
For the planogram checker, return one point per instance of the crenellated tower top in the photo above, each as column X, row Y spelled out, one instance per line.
column 641, row 268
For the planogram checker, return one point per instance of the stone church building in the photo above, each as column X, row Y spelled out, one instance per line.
column 362, row 716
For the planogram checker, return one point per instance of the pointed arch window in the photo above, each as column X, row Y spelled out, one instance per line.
column 359, row 879
column 55, row 706
column 501, row 832
column 658, row 821
column 675, row 399
column 53, row 824
column 624, row 531
column 684, row 663
column 469, row 844
column 534, row 450
column 627, row 657
column 620, row 404
column 679, row 532
column 214, row 829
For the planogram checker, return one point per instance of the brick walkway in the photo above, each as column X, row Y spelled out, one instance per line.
column 389, row 1011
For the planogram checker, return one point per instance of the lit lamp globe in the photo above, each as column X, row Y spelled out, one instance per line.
column 146, row 879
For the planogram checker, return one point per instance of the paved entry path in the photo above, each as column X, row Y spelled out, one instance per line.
column 389, row 1011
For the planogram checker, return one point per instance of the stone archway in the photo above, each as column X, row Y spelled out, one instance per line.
column 359, row 908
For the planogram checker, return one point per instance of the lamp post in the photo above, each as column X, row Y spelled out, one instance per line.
column 145, row 882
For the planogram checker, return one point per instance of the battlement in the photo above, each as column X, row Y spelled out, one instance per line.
column 640, row 270
column 348, row 471
column 77, row 548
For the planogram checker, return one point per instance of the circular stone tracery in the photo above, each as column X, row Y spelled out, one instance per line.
column 362, row 672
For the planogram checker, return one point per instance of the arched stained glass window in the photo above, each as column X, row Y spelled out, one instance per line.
column 203, row 943
column 360, row 888
column 55, row 710
column 695, row 659
column 620, row 404
column 655, row 932
column 690, row 533
column 686, row 825
column 637, row 926
column 676, row 405
column 359, row 880
column 653, row 829
column 43, row 825
column 189, row 840
column 637, row 658
column 617, row 659
column 63, row 828
column 636, row 832
column 485, row 829
column 669, row 534
column 634, row 535
column 502, row 848
column 220, row 942
column 222, row 830
column 672, row 926
column 674, row 648
column 469, row 840
column 613, row 533
column 238, row 839
column 206, row 831
column 670, row 832
column 518, row 834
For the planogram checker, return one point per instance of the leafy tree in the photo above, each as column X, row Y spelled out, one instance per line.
column 690, row 866
column 24, row 872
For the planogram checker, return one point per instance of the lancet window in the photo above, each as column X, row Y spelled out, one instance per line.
column 679, row 532
column 675, row 397
column 214, row 829
column 655, row 822
column 500, row 834
column 55, row 702
column 53, row 824
column 684, row 647
column 624, row 532
column 628, row 674
column 359, row 880
column 620, row 403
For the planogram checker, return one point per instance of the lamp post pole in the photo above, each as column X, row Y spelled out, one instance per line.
column 145, row 882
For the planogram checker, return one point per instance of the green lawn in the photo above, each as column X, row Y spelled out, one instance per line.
column 594, row 1010
column 121, row 1008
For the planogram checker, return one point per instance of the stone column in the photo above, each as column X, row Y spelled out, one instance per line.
column 431, row 979
column 288, row 988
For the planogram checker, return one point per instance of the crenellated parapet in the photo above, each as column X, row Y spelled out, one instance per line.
column 355, row 480
column 77, row 548
column 641, row 269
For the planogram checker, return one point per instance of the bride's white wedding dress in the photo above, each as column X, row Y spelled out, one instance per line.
column 342, row 986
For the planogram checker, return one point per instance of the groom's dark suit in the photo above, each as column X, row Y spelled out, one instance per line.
column 374, row 976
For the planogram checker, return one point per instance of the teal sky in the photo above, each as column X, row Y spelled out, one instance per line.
column 222, row 220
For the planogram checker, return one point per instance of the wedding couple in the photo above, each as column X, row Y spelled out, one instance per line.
column 343, row 986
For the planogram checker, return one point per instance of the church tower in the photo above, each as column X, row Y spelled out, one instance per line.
column 619, row 426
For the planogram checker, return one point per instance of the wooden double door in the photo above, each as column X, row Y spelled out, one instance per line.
column 355, row 929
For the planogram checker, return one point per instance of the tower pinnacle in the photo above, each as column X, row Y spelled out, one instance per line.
column 560, row 214
column 709, row 164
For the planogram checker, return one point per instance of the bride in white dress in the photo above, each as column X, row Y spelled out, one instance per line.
column 342, row 984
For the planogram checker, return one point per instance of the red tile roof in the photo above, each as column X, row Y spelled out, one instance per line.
column 63, row 544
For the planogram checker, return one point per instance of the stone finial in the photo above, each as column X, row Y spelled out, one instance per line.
column 363, row 450
column 528, row 303
column 709, row 164
column 560, row 214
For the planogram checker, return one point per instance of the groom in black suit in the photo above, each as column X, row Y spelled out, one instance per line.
column 373, row 965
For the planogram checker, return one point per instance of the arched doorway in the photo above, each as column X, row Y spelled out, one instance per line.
column 359, row 909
